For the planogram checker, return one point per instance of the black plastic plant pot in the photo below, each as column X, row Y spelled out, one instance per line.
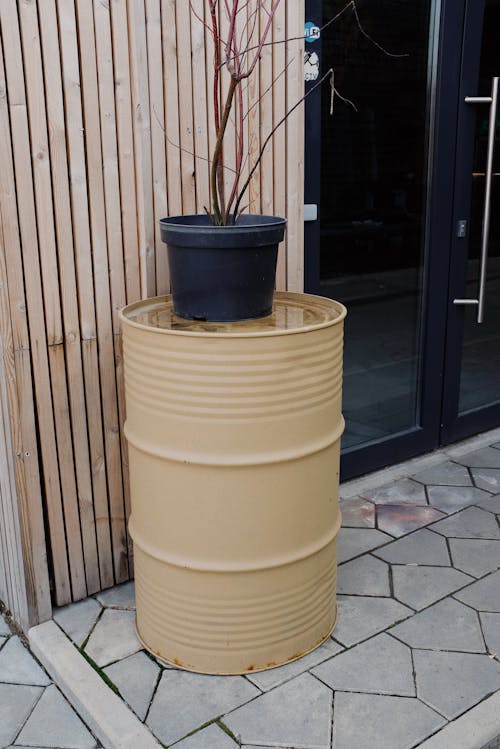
column 222, row 273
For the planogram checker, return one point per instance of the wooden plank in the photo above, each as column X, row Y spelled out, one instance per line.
column 159, row 164
column 124, row 445
column 104, row 51
column 171, row 102
column 186, row 125
column 279, row 140
column 295, row 148
column 123, row 104
column 199, row 76
column 63, row 221
column 29, row 242
column 52, row 293
column 253, row 197
column 229, row 151
column 142, row 144
column 266, row 121
column 101, row 286
column 14, row 332
column 83, row 258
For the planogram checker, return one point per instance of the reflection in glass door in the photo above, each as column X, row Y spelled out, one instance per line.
column 373, row 207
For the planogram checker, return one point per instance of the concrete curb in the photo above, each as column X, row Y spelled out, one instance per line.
column 479, row 728
column 107, row 716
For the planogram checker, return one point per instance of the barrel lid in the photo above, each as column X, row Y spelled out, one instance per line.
column 292, row 313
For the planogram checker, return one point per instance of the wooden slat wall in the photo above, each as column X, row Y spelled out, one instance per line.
column 105, row 115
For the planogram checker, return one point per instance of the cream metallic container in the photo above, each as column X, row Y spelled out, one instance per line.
column 234, row 433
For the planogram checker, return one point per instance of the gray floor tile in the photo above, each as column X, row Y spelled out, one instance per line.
column 484, row 595
column 402, row 519
column 486, row 457
column 369, row 721
column 360, row 617
column 266, row 680
column 454, row 498
column 487, row 478
column 113, row 637
column 77, row 619
column 491, row 631
column 357, row 513
column 184, row 702
column 398, row 492
column 475, row 556
column 54, row 723
column 365, row 576
column 355, row 541
column 119, row 597
column 448, row 625
column 491, row 504
column 381, row 665
column 420, row 586
column 3, row 640
column 136, row 678
column 297, row 714
column 16, row 703
column 469, row 523
column 211, row 737
column 447, row 474
column 454, row 682
column 17, row 665
column 422, row 547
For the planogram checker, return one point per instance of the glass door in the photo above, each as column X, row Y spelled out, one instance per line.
column 471, row 394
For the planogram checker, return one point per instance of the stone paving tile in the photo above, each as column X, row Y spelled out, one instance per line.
column 447, row 625
column 113, row 638
column 355, row 541
column 3, row 640
column 491, row 631
column 54, row 723
column 487, row 478
column 211, row 737
column 445, row 474
column 369, row 721
column 492, row 504
column 398, row 520
column 18, row 666
column 16, row 703
column 381, row 665
column 454, row 682
column 486, row 457
column 361, row 617
column 77, row 619
column 366, row 575
column 420, row 586
column 483, row 595
column 4, row 627
column 469, row 523
column 297, row 714
column 357, row 513
column 136, row 678
column 119, row 597
column 185, row 701
column 422, row 547
column 405, row 491
column 451, row 499
column 475, row 556
column 267, row 680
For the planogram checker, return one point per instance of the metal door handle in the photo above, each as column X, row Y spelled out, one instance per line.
column 485, row 235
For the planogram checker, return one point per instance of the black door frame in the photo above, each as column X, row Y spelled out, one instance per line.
column 446, row 38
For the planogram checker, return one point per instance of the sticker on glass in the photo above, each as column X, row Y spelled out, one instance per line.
column 312, row 32
column 311, row 66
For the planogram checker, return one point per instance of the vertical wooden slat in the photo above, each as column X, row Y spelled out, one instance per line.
column 200, row 113
column 84, row 273
column 38, row 337
column 52, row 295
column 266, row 123
column 123, row 102
column 21, row 409
column 279, row 139
column 295, row 148
column 101, row 287
column 142, row 144
column 171, row 101
column 186, row 125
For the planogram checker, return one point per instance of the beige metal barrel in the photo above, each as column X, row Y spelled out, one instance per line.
column 233, row 432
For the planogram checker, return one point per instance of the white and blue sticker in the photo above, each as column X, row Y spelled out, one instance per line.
column 311, row 32
column 311, row 66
